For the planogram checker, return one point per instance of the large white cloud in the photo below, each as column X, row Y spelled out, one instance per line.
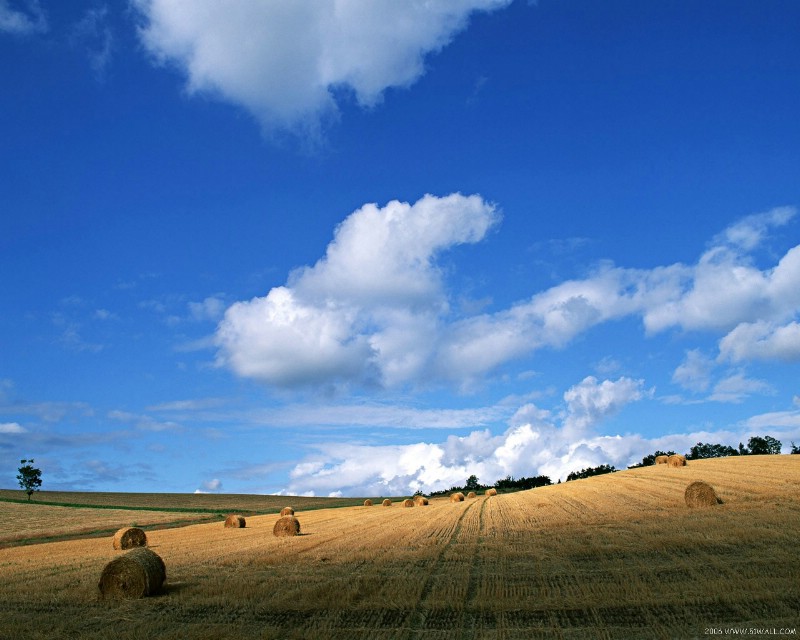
column 369, row 311
column 285, row 62
column 375, row 308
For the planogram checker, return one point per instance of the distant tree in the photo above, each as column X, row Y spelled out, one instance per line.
column 758, row 446
column 472, row 483
column 591, row 471
column 795, row 448
column 509, row 483
column 29, row 477
column 703, row 450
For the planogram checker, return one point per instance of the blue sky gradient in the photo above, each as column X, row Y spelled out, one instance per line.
column 368, row 248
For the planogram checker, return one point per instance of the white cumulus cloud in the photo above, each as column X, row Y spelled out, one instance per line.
column 375, row 309
column 369, row 311
column 289, row 62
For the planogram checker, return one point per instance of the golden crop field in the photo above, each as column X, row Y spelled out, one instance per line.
column 614, row 556
column 179, row 501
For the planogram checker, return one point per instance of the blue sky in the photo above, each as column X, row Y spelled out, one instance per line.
column 368, row 248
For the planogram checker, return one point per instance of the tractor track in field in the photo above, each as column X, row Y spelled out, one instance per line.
column 468, row 621
column 419, row 618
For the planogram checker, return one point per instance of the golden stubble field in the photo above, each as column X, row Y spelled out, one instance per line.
column 615, row 556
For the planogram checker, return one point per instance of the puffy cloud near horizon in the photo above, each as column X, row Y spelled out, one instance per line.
column 210, row 486
column 375, row 310
column 537, row 442
column 288, row 63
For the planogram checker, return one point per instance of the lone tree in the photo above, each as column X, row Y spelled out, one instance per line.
column 472, row 483
column 30, row 478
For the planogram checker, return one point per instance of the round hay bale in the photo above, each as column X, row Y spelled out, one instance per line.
column 386, row 502
column 701, row 494
column 139, row 573
column 367, row 502
column 472, row 495
column 676, row 460
column 235, row 522
column 287, row 511
column 420, row 501
column 129, row 538
column 408, row 502
column 286, row 526
column 662, row 459
column 456, row 497
column 491, row 492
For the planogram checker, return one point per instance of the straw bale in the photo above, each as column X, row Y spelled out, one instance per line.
column 457, row 497
column 386, row 502
column 408, row 502
column 491, row 492
column 287, row 511
column 701, row 494
column 662, row 459
column 472, row 495
column 367, row 502
column 136, row 574
column 129, row 538
column 420, row 501
column 235, row 521
column 286, row 526
column 676, row 460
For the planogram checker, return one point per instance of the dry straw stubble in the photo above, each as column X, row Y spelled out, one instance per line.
column 235, row 522
column 701, row 494
column 129, row 538
column 140, row 572
column 286, row 526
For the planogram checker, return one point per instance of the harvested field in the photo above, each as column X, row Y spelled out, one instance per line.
column 196, row 502
column 613, row 556
column 23, row 523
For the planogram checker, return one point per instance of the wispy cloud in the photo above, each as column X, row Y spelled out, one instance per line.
column 12, row 427
column 93, row 32
column 23, row 21
column 144, row 422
